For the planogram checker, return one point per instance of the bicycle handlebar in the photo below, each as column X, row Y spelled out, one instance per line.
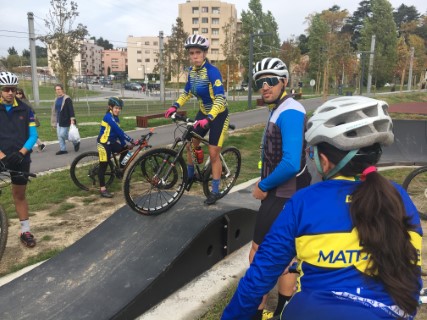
column 25, row 174
column 177, row 116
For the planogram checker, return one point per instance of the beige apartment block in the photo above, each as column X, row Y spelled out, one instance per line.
column 208, row 18
column 143, row 56
column 114, row 61
column 88, row 61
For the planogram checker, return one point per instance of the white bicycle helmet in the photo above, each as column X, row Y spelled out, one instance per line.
column 350, row 123
column 8, row 79
column 196, row 41
column 270, row 66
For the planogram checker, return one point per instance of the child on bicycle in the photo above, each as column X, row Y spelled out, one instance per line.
column 205, row 83
column 111, row 138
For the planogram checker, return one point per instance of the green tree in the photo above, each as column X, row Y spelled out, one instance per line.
column 405, row 14
column 175, row 53
column 303, row 44
column 255, row 21
column 63, row 41
column 26, row 53
column 12, row 51
column 103, row 43
column 382, row 25
column 41, row 52
column 354, row 23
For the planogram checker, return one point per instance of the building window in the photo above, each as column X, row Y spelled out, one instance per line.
column 215, row 31
column 155, row 43
column 205, row 20
column 195, row 31
column 147, row 43
column 215, row 42
column 138, row 60
column 138, row 51
column 114, row 60
column 147, row 51
column 195, row 20
column 147, row 60
column 215, row 20
column 205, row 9
column 215, row 51
column 204, row 30
column 156, row 60
column 195, row 10
column 215, row 10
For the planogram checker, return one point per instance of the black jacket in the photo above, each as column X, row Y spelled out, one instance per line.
column 65, row 115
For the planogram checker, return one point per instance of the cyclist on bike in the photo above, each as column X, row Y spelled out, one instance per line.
column 18, row 135
column 205, row 83
column 357, row 235
column 111, row 138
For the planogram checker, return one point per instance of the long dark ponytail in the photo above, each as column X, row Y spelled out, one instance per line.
column 378, row 214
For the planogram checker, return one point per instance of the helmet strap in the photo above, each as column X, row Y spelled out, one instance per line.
column 337, row 168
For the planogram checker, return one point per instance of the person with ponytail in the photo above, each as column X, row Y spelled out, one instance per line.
column 357, row 235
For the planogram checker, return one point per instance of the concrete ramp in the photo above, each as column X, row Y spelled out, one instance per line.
column 130, row 262
column 410, row 144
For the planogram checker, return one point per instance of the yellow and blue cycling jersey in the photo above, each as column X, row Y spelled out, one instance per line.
column 110, row 130
column 316, row 227
column 205, row 83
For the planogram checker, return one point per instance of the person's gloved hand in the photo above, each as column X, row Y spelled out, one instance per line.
column 3, row 163
column 14, row 159
column 204, row 123
column 170, row 111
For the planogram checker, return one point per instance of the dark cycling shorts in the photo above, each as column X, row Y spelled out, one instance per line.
column 267, row 213
column 18, row 179
column 105, row 150
column 217, row 128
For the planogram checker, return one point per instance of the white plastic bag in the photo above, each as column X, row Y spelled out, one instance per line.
column 73, row 134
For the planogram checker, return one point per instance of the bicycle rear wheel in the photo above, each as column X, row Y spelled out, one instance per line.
column 231, row 163
column 152, row 184
column 84, row 171
column 416, row 186
column 3, row 231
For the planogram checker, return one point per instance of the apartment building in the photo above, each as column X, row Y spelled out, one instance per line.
column 114, row 61
column 208, row 18
column 143, row 56
column 88, row 61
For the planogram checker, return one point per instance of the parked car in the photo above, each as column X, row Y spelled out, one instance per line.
column 132, row 86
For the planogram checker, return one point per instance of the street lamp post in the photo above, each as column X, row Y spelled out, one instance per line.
column 251, row 53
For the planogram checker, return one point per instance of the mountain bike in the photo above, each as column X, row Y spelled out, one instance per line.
column 415, row 184
column 156, row 180
column 4, row 223
column 84, row 168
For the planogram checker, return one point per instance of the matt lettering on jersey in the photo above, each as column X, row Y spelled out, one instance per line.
column 340, row 250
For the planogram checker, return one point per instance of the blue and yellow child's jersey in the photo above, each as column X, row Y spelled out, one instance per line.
column 110, row 130
column 316, row 227
column 205, row 83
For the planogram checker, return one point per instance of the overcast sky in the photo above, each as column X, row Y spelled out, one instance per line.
column 115, row 20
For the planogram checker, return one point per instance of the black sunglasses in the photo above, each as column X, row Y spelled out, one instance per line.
column 8, row 89
column 17, row 92
column 270, row 81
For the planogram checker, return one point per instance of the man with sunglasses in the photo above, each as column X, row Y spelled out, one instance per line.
column 18, row 134
column 283, row 163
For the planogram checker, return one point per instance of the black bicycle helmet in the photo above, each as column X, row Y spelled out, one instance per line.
column 115, row 101
column 197, row 41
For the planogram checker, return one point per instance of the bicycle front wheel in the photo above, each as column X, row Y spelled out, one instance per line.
column 231, row 161
column 84, row 171
column 416, row 186
column 3, row 231
column 154, row 181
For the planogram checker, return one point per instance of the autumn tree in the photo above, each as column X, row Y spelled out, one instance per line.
column 255, row 21
column 231, row 52
column 63, row 41
column 290, row 54
column 175, row 53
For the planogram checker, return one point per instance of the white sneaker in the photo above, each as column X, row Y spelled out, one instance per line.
column 423, row 295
